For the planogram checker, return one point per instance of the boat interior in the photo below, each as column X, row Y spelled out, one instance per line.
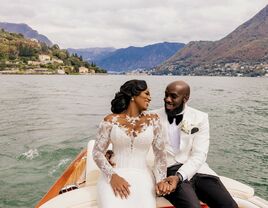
column 76, row 188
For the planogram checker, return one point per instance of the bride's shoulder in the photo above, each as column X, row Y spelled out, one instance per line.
column 152, row 116
column 111, row 118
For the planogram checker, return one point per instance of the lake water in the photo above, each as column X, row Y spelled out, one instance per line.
column 45, row 121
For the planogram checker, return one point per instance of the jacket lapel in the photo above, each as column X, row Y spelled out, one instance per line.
column 184, row 137
column 187, row 119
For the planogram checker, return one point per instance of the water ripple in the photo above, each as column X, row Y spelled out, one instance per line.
column 61, row 164
column 29, row 155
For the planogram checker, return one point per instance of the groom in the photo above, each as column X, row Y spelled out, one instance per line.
column 186, row 131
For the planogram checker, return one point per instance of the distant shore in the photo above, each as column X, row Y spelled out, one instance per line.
column 50, row 73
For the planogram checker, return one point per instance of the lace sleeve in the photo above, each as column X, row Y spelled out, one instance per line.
column 160, row 164
column 101, row 144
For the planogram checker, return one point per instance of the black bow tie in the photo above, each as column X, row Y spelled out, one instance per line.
column 177, row 117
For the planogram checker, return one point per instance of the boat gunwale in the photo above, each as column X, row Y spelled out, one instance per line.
column 61, row 181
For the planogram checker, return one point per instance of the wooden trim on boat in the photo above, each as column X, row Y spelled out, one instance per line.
column 60, row 183
column 77, row 168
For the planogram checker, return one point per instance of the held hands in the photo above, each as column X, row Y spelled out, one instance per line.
column 120, row 186
column 162, row 188
column 167, row 186
column 172, row 181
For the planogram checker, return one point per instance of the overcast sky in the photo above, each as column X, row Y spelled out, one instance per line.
column 122, row 23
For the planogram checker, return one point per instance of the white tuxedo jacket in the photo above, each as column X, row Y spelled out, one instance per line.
column 193, row 145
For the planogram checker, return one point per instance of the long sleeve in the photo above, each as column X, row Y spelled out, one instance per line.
column 199, row 150
column 101, row 144
column 160, row 163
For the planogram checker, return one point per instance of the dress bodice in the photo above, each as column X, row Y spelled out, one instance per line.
column 131, row 138
column 131, row 151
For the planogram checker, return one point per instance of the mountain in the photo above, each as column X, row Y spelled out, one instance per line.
column 20, row 55
column 26, row 31
column 132, row 58
column 92, row 54
column 246, row 44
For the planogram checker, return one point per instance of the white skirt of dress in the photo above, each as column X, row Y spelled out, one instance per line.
column 142, row 190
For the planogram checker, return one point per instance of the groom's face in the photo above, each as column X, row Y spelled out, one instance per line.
column 174, row 97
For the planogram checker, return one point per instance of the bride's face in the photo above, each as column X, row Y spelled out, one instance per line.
column 143, row 99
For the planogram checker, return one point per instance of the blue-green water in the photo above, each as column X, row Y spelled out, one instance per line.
column 45, row 121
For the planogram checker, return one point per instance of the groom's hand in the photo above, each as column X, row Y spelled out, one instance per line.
column 162, row 188
column 109, row 156
column 172, row 181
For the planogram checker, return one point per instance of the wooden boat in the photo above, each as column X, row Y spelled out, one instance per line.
column 76, row 188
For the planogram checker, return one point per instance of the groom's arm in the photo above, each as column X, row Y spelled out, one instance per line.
column 109, row 156
column 197, row 156
column 199, row 150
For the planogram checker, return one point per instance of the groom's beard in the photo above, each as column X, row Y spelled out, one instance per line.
column 176, row 111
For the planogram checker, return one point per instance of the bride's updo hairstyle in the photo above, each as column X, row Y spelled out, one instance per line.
column 122, row 98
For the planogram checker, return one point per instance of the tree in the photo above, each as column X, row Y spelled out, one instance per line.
column 27, row 50
column 61, row 54
column 4, row 51
column 55, row 46
column 13, row 52
column 44, row 48
column 87, row 65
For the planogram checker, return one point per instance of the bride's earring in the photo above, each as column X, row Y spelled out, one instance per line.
column 132, row 99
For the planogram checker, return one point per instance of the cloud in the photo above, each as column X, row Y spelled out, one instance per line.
column 121, row 23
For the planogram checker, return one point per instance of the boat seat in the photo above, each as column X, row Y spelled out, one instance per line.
column 92, row 170
column 80, row 198
column 84, row 198
column 236, row 189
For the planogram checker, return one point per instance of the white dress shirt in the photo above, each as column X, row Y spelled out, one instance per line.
column 174, row 132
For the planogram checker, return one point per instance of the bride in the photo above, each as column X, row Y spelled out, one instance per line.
column 130, row 182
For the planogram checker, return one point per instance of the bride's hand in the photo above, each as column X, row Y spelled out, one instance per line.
column 120, row 186
column 162, row 188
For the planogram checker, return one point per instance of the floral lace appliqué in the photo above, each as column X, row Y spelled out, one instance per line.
column 101, row 144
column 160, row 163
column 132, row 126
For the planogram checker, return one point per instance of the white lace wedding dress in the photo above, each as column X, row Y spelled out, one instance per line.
column 131, row 139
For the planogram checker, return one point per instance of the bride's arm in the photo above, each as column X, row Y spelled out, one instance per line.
column 160, row 163
column 101, row 144
column 119, row 185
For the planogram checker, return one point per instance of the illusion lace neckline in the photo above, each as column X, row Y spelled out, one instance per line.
column 133, row 119
column 132, row 126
